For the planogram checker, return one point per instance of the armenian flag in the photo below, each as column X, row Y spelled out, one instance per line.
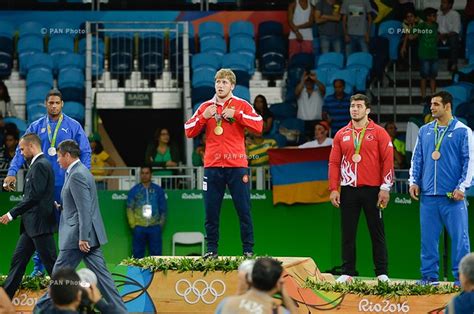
column 300, row 175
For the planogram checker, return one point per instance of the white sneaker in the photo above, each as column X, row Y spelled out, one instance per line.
column 383, row 278
column 344, row 278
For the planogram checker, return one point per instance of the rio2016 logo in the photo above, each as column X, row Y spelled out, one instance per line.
column 23, row 300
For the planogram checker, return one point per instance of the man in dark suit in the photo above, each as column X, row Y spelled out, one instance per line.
column 81, row 230
column 38, row 222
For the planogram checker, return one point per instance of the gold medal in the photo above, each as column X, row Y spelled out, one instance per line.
column 356, row 158
column 218, row 130
column 436, row 155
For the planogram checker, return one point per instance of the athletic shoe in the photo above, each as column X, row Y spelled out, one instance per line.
column 344, row 278
column 428, row 281
column 210, row 255
column 248, row 254
column 37, row 273
column 383, row 278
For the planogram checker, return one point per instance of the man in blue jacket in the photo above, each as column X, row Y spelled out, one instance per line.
column 52, row 129
column 441, row 170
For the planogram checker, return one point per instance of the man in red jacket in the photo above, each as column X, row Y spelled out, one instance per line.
column 224, row 119
column 361, row 162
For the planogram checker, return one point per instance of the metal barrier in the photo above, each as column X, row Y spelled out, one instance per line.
column 190, row 178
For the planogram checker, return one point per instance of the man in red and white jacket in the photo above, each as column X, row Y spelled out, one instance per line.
column 224, row 119
column 361, row 162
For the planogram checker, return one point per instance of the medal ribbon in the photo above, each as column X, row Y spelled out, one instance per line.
column 218, row 117
column 439, row 139
column 52, row 139
column 358, row 140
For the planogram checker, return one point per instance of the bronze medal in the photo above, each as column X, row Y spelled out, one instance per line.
column 436, row 155
column 356, row 158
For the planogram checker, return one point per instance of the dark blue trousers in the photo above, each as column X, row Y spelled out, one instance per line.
column 143, row 236
column 215, row 182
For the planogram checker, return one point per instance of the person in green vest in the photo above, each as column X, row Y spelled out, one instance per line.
column 427, row 33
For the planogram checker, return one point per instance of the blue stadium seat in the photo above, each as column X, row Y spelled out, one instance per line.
column 36, row 94
column 210, row 29
column 74, row 110
column 71, row 77
column 39, row 76
column 236, row 61
column 35, row 111
column 245, row 47
column 295, row 74
column 201, row 94
column 283, row 110
column 32, row 29
column 71, row 84
column 242, row 92
column 59, row 46
column 27, row 46
column 272, row 56
column 302, row 60
column 466, row 110
column 331, row 59
column 323, row 74
column 203, row 77
column 70, row 60
column 360, row 64
column 389, row 29
column 39, row 61
column 364, row 59
column 269, row 28
column 62, row 28
column 121, row 64
column 242, row 78
column 6, row 45
column 20, row 123
column 121, row 54
column 241, row 28
column 460, row 94
column 206, row 60
column 61, row 43
column 6, row 64
column 151, row 51
column 97, row 45
column 214, row 45
column 272, row 64
column 470, row 41
column 97, row 64
column 6, row 29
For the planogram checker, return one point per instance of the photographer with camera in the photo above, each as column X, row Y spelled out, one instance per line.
column 75, row 293
column 309, row 101
column 266, row 281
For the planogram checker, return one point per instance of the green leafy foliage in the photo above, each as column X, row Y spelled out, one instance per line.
column 33, row 283
column 182, row 264
column 387, row 290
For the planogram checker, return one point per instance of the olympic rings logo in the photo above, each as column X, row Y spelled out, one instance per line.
column 200, row 290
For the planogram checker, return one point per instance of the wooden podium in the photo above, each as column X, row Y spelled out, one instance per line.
column 198, row 292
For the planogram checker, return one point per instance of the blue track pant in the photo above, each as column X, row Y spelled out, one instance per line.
column 436, row 212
